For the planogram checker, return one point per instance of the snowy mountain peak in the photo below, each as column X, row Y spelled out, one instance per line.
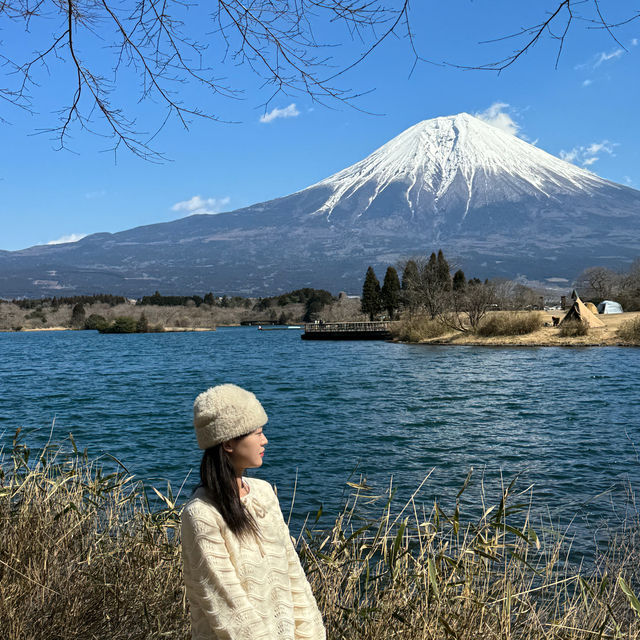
column 452, row 162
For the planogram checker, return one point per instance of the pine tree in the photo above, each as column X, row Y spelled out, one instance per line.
column 410, row 286
column 410, row 275
column 443, row 271
column 390, row 292
column 371, row 294
column 78, row 316
column 142, row 326
column 459, row 280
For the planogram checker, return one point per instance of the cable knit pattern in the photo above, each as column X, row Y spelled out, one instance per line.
column 251, row 589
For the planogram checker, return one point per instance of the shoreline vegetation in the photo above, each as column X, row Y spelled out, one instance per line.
column 426, row 304
column 86, row 554
column 523, row 329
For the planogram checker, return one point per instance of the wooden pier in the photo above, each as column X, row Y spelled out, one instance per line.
column 347, row 331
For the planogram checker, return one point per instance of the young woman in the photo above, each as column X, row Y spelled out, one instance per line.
column 242, row 574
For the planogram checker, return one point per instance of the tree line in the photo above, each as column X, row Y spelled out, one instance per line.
column 428, row 287
column 596, row 284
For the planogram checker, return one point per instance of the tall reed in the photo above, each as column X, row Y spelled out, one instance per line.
column 84, row 554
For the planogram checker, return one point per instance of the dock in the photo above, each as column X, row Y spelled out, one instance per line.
column 347, row 331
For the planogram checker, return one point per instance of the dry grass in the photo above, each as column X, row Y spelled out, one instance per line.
column 573, row 329
column 629, row 331
column 84, row 556
column 417, row 328
column 428, row 575
column 510, row 323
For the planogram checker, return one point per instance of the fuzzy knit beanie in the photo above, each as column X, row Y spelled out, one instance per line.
column 225, row 412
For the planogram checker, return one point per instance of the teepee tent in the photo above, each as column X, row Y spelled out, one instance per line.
column 609, row 306
column 580, row 313
column 592, row 307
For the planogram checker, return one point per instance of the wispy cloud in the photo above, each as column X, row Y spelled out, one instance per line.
column 634, row 42
column 600, row 58
column 286, row 112
column 92, row 195
column 72, row 237
column 497, row 116
column 605, row 57
column 589, row 154
column 587, row 82
column 198, row 204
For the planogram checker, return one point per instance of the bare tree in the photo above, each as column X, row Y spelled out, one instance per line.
column 556, row 25
column 598, row 283
column 161, row 45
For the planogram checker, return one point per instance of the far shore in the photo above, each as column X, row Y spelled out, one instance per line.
column 547, row 336
column 165, row 330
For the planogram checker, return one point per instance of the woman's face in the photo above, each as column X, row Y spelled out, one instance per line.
column 246, row 452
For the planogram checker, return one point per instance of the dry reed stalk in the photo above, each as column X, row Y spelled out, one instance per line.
column 85, row 556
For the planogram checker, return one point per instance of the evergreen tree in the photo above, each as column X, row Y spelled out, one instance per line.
column 209, row 299
column 371, row 294
column 78, row 316
column 390, row 292
column 142, row 326
column 443, row 271
column 410, row 295
column 410, row 275
column 459, row 280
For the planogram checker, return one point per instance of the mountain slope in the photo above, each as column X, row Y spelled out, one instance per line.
column 496, row 204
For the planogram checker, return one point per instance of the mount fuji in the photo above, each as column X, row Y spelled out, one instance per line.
column 495, row 204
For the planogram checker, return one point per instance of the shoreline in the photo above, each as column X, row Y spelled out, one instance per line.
column 546, row 336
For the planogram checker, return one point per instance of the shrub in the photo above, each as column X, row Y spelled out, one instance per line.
column 573, row 328
column 37, row 314
column 509, row 323
column 95, row 322
column 629, row 331
column 122, row 324
column 417, row 328
column 142, row 326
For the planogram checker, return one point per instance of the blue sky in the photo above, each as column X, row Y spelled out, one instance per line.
column 585, row 111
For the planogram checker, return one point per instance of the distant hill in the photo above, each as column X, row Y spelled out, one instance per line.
column 495, row 204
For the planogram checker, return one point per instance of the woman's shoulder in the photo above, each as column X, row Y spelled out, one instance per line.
column 260, row 486
column 198, row 506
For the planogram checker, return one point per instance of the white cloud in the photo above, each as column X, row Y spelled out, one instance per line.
column 634, row 42
column 628, row 180
column 198, row 204
column 497, row 116
column 605, row 57
column 588, row 154
column 586, row 83
column 72, row 237
column 287, row 112
column 92, row 195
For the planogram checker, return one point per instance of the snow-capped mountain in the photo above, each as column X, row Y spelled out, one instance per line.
column 455, row 163
column 495, row 204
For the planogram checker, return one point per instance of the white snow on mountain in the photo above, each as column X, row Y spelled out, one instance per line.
column 457, row 158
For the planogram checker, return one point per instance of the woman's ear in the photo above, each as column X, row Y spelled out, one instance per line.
column 227, row 446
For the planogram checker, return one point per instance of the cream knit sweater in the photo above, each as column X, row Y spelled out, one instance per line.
column 251, row 589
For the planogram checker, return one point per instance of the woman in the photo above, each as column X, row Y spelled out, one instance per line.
column 242, row 574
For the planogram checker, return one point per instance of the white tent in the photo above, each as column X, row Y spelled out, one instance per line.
column 609, row 306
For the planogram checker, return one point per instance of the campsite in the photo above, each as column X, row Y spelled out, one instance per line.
column 602, row 331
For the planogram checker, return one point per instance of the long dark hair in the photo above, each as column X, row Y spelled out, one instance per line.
column 218, row 478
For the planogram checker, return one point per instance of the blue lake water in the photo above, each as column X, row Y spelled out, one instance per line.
column 566, row 419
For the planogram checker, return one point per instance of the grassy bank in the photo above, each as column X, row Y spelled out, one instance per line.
column 84, row 555
column 511, row 328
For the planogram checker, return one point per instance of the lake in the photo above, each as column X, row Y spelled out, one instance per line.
column 566, row 419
